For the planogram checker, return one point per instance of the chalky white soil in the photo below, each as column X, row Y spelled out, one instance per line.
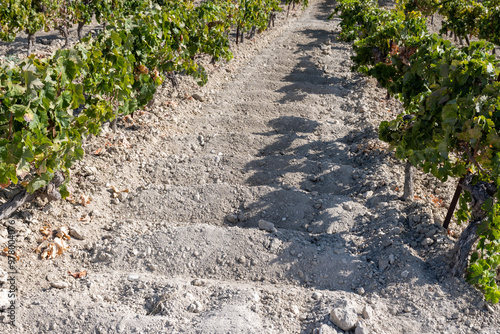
column 268, row 207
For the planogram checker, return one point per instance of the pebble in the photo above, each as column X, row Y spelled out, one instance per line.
column 344, row 315
column 427, row 242
column 360, row 291
column 133, row 277
column 76, row 233
column 267, row 226
column 198, row 282
column 383, row 264
column 316, row 295
column 325, row 329
column 195, row 307
column 361, row 328
column 367, row 312
column 347, row 207
column 59, row 285
column 198, row 97
column 405, row 273
column 232, row 218
column 391, row 258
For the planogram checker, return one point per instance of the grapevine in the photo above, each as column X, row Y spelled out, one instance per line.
column 48, row 105
column 449, row 127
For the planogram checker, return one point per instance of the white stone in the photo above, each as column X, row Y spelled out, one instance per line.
column 325, row 329
column 367, row 312
column 344, row 315
column 59, row 285
column 427, row 242
column 133, row 277
column 316, row 295
column 361, row 328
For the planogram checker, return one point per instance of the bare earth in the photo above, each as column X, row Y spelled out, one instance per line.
column 268, row 207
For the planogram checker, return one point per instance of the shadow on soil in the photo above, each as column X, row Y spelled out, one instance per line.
column 325, row 221
column 334, row 244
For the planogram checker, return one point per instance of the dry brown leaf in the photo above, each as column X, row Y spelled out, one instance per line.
column 98, row 151
column 46, row 230
column 84, row 200
column 79, row 274
column 16, row 255
column 71, row 199
column 63, row 233
column 50, row 252
column 42, row 246
column 128, row 119
column 84, row 218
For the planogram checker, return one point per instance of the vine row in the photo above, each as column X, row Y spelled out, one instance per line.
column 451, row 119
column 49, row 105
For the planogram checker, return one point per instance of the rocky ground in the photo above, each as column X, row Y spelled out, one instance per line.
column 260, row 203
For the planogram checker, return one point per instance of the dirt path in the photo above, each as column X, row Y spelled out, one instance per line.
column 286, row 142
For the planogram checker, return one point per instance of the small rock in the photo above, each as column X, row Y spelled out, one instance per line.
column 391, row 258
column 59, row 285
column 232, row 218
column 427, row 242
column 347, row 207
column 325, row 329
column 123, row 196
column 198, row 97
column 405, row 273
column 76, row 233
column 367, row 312
column 344, row 315
column 267, row 226
column 133, row 277
column 361, row 328
column 382, row 264
column 195, row 307
column 316, row 295
column 198, row 282
column 295, row 309
column 360, row 291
